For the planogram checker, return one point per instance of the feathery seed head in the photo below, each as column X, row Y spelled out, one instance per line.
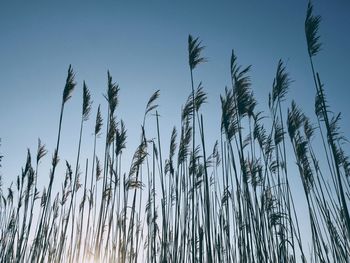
column 194, row 52
column 312, row 24
column 86, row 102
column 70, row 84
column 99, row 121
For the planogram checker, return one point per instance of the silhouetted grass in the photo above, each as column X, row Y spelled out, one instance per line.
column 187, row 202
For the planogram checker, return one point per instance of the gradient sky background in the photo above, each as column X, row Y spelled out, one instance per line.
column 144, row 45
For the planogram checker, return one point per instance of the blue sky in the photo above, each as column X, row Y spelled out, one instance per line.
column 144, row 45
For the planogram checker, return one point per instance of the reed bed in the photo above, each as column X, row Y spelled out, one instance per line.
column 188, row 201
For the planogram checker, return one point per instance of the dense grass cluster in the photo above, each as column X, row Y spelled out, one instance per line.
column 185, row 202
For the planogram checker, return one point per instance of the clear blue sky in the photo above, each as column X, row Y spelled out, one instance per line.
column 144, row 45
